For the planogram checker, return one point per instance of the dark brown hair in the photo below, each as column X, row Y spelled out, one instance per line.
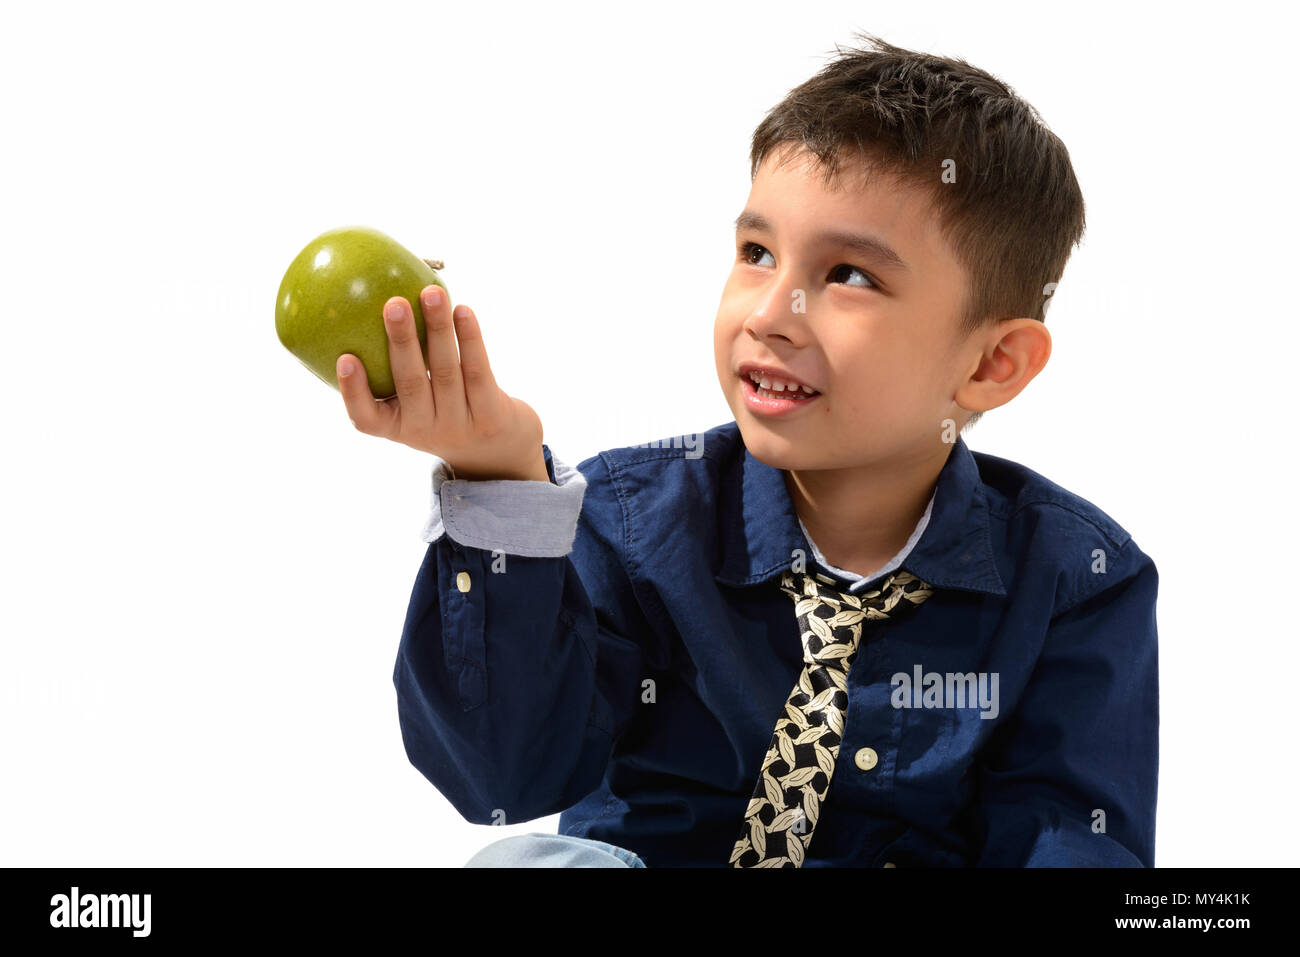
column 1014, row 212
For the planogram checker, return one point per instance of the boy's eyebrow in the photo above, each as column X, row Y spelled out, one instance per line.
column 863, row 243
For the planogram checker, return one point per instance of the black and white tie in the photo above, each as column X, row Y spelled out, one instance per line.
column 797, row 769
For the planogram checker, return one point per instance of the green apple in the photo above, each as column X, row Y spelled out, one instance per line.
column 332, row 297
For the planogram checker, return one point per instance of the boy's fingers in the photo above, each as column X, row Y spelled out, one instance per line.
column 480, row 384
column 369, row 416
column 444, row 363
column 410, row 380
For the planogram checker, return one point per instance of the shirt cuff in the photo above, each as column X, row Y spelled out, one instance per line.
column 517, row 517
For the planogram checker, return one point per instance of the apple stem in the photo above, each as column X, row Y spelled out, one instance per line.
column 434, row 263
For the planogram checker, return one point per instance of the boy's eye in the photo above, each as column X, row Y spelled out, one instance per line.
column 748, row 249
column 871, row 283
column 747, row 252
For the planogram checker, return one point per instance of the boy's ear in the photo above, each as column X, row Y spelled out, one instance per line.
column 1011, row 353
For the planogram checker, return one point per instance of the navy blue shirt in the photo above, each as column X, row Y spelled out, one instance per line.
column 634, row 683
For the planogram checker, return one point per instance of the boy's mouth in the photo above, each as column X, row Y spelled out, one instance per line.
column 770, row 400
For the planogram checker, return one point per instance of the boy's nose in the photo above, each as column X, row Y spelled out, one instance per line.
column 769, row 318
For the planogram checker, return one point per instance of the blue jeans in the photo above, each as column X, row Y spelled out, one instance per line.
column 553, row 850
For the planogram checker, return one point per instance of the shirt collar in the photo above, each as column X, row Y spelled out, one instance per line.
column 761, row 528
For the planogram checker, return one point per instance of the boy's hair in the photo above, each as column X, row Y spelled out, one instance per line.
column 1013, row 212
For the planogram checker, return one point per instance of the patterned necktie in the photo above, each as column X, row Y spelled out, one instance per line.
column 797, row 769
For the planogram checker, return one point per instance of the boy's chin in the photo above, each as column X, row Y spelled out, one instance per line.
column 799, row 449
column 780, row 448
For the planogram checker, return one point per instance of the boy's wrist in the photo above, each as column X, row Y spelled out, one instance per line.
column 535, row 472
column 539, row 471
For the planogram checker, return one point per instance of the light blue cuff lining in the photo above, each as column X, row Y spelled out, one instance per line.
column 517, row 517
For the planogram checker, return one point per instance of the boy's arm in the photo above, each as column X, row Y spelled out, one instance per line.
column 512, row 692
column 1084, row 738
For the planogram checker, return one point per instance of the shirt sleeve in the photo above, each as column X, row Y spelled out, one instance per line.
column 1070, row 780
column 515, row 675
column 517, row 517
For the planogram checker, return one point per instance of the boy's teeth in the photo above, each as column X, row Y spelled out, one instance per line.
column 779, row 385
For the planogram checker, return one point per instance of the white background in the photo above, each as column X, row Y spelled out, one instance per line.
column 206, row 568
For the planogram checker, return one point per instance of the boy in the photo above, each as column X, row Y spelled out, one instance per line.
column 963, row 649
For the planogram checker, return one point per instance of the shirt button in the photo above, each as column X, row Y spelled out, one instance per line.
column 865, row 759
column 462, row 581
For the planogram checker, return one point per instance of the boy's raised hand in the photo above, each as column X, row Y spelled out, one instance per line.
column 454, row 409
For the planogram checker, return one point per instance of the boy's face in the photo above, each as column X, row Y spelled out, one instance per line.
column 876, row 339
